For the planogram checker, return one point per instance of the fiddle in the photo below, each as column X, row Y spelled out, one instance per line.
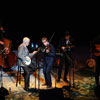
column 46, row 43
column 47, row 49
column 44, row 49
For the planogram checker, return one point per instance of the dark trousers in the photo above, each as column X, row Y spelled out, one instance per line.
column 67, row 65
column 27, row 72
column 97, row 72
column 48, row 63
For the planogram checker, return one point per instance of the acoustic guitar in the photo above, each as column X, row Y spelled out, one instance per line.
column 68, row 47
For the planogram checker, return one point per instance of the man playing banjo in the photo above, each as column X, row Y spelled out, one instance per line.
column 24, row 60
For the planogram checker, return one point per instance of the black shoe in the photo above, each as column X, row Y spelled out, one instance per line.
column 97, row 84
column 49, row 86
column 66, row 81
column 44, row 84
column 26, row 89
column 58, row 81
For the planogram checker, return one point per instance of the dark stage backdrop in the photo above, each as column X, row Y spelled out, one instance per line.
column 17, row 24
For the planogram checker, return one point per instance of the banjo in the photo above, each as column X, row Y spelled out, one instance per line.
column 27, row 62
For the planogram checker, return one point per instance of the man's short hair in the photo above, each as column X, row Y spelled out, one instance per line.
column 26, row 39
column 44, row 38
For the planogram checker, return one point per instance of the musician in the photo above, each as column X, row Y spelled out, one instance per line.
column 49, row 56
column 65, row 48
column 22, row 53
column 97, row 57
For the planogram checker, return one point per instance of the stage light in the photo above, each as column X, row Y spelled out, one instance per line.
column 32, row 45
column 36, row 46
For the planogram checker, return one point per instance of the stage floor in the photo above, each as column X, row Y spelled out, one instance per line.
column 84, row 85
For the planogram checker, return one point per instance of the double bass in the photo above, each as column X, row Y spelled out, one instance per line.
column 7, row 58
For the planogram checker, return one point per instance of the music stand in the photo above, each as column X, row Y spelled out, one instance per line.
column 37, row 67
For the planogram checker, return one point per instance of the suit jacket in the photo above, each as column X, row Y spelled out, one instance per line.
column 51, row 53
column 22, row 53
column 63, row 43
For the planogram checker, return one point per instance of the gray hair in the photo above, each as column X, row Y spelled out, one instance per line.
column 26, row 39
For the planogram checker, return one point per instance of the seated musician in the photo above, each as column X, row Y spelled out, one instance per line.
column 23, row 55
column 65, row 48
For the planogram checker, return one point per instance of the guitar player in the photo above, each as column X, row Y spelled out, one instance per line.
column 23, row 54
column 65, row 42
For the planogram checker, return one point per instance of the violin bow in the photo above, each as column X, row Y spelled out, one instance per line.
column 51, row 37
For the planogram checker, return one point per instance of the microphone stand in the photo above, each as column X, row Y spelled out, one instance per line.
column 37, row 67
column 73, row 74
